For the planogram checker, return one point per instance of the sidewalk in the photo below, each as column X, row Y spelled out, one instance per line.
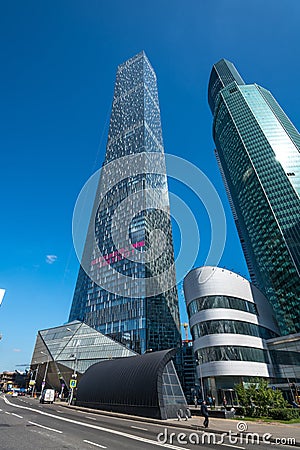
column 275, row 431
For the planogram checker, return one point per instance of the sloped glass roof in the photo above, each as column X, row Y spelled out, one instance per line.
column 77, row 345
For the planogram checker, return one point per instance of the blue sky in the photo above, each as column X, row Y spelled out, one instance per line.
column 58, row 65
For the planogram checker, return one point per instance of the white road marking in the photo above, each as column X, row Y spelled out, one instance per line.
column 94, row 443
column 233, row 446
column 120, row 418
column 139, row 428
column 17, row 415
column 96, row 427
column 46, row 428
column 0, row 409
column 7, row 412
column 91, row 418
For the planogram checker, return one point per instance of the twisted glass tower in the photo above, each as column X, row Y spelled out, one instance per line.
column 126, row 286
column 257, row 148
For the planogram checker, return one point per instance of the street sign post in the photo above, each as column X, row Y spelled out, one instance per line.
column 73, row 384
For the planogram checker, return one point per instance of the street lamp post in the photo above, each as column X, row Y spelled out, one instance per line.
column 45, row 373
column 201, row 379
column 35, row 379
column 74, row 376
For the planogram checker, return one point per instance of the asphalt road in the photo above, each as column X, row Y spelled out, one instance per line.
column 25, row 424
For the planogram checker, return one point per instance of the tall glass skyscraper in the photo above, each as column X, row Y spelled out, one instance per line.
column 257, row 148
column 126, row 286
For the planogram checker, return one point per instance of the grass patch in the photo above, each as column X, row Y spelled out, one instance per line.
column 267, row 420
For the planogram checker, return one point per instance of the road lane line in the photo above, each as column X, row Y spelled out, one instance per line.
column 139, row 428
column 118, row 418
column 7, row 412
column 90, row 418
column 94, row 443
column 233, row 446
column 42, row 426
column 96, row 427
column 0, row 410
column 17, row 415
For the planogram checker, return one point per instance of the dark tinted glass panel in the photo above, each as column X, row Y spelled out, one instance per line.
column 221, row 301
column 231, row 326
column 232, row 353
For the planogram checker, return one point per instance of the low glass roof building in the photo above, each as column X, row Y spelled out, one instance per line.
column 72, row 347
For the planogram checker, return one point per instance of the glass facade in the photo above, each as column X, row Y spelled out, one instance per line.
column 257, row 148
column 71, row 348
column 220, row 301
column 76, row 345
column 231, row 326
column 232, row 353
column 114, row 295
column 285, row 356
column 171, row 388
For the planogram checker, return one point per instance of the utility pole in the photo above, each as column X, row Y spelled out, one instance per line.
column 35, row 380
column 45, row 373
column 200, row 373
column 73, row 381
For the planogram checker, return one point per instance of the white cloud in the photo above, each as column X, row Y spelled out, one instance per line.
column 50, row 259
column 17, row 350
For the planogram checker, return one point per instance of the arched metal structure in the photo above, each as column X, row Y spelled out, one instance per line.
column 145, row 385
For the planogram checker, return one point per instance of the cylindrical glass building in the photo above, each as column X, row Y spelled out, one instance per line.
column 230, row 319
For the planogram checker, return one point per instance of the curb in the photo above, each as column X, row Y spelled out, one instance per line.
column 166, row 423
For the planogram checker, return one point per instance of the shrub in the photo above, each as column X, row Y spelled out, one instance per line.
column 284, row 414
column 240, row 411
column 257, row 398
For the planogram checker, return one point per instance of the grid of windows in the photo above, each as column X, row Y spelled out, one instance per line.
column 141, row 322
column 76, row 345
column 172, row 391
column 257, row 145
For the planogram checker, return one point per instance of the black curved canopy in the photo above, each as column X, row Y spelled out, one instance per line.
column 132, row 385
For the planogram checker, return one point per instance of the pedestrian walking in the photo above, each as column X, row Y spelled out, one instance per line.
column 195, row 401
column 204, row 412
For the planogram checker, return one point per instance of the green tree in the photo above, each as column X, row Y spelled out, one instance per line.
column 257, row 397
